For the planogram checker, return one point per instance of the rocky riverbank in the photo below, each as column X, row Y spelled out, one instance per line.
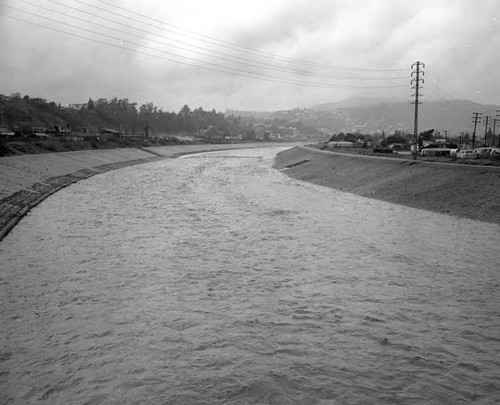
column 461, row 190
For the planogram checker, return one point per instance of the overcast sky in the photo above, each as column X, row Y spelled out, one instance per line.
column 248, row 54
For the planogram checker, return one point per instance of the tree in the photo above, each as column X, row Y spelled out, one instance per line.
column 337, row 137
column 425, row 136
column 185, row 111
column 349, row 137
column 249, row 135
column 147, row 109
column 398, row 137
column 11, row 114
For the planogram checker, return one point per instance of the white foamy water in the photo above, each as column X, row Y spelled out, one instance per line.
column 214, row 279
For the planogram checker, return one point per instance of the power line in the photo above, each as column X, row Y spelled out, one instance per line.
column 219, row 42
column 215, row 68
column 232, row 59
column 211, row 66
column 141, row 52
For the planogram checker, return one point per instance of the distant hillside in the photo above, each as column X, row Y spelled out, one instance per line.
column 363, row 115
column 258, row 115
column 351, row 102
column 27, row 115
column 369, row 115
column 454, row 116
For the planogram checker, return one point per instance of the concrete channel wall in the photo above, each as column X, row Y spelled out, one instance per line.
column 26, row 180
column 461, row 190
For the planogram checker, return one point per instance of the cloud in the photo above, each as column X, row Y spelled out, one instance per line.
column 143, row 62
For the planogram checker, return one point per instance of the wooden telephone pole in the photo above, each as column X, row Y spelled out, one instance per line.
column 486, row 128
column 476, row 118
column 495, row 120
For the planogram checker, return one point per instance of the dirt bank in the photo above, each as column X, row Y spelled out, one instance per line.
column 465, row 191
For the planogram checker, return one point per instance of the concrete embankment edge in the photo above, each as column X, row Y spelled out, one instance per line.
column 460, row 190
column 26, row 180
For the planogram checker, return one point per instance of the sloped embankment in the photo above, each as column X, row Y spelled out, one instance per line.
column 26, row 180
column 460, row 190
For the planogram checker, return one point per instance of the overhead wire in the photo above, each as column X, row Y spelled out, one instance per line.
column 231, row 45
column 211, row 66
column 135, row 51
column 225, row 56
column 204, row 64
column 440, row 94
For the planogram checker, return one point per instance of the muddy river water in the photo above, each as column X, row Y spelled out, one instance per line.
column 215, row 279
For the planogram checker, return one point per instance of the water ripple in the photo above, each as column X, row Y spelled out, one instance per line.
column 214, row 279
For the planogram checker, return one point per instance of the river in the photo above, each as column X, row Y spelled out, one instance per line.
column 215, row 279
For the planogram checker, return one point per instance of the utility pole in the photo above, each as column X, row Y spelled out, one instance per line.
column 497, row 119
column 476, row 117
column 446, row 136
column 415, row 82
column 486, row 128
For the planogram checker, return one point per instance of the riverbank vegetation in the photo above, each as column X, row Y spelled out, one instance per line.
column 25, row 115
column 35, row 125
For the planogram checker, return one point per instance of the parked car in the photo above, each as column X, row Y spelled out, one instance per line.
column 467, row 154
column 398, row 146
column 494, row 152
column 481, row 152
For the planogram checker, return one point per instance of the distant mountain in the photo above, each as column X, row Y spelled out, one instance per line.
column 351, row 102
column 369, row 115
column 454, row 116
